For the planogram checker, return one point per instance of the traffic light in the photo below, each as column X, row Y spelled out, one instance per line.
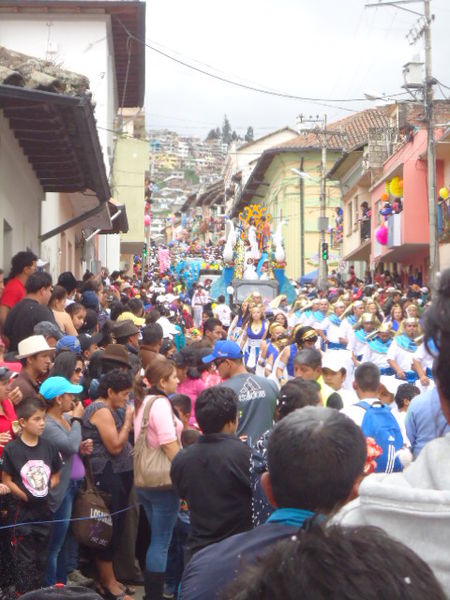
column 325, row 251
column 144, row 249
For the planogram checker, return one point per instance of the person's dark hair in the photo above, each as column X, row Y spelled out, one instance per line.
column 65, row 364
column 166, row 346
column 221, row 299
column 27, row 407
column 315, row 454
column 117, row 308
column 331, row 563
column 297, row 393
column 367, row 376
column 74, row 307
column 67, row 281
column 20, row 261
column 189, row 437
column 437, row 333
column 405, row 391
column 301, row 332
column 94, row 371
column 152, row 333
column 181, row 401
column 37, row 281
column 210, row 324
column 90, row 322
column 215, row 407
column 116, row 380
column 310, row 357
column 136, row 306
column 152, row 316
column 59, row 293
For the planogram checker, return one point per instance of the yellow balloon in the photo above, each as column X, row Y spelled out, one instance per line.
column 443, row 193
column 396, row 187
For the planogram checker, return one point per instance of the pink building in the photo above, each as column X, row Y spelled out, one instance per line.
column 407, row 248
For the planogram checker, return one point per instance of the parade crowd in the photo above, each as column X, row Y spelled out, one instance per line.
column 270, row 450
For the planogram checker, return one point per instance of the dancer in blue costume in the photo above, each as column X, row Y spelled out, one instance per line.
column 278, row 341
column 304, row 337
column 331, row 328
column 254, row 334
column 402, row 350
column 239, row 322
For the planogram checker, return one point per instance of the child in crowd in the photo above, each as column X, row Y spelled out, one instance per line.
column 31, row 468
column 77, row 313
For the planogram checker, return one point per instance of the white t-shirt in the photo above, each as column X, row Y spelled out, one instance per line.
column 223, row 313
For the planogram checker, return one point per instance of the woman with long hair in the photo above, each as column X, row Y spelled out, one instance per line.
column 68, row 365
column 161, row 506
column 395, row 317
column 240, row 321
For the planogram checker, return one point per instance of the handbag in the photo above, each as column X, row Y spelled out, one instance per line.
column 94, row 525
column 151, row 465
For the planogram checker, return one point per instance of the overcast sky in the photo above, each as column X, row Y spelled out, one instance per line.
column 313, row 48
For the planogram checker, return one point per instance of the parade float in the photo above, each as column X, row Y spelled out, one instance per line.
column 254, row 259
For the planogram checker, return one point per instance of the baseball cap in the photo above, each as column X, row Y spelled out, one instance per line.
column 69, row 342
column 223, row 349
column 56, row 386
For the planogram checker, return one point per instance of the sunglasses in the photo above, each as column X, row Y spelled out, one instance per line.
column 78, row 370
column 311, row 339
column 219, row 361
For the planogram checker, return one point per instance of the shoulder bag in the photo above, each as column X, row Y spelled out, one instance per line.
column 151, row 465
column 92, row 526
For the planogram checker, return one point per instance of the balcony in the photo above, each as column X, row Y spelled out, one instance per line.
column 357, row 245
column 394, row 225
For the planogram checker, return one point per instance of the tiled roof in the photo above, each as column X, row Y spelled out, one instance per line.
column 351, row 131
column 29, row 72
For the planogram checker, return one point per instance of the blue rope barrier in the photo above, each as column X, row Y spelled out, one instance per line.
column 113, row 514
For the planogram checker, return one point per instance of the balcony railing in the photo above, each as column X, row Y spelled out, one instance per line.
column 364, row 228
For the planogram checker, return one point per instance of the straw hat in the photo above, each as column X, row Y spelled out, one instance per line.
column 32, row 345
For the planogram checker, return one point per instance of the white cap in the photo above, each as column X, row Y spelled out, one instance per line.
column 32, row 345
column 334, row 361
column 169, row 329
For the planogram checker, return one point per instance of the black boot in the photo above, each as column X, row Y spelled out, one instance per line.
column 154, row 585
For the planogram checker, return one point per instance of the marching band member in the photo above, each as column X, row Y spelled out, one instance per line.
column 401, row 352
column 304, row 337
column 358, row 340
column 355, row 312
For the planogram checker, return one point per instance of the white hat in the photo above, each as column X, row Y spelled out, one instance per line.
column 32, row 345
column 126, row 285
column 170, row 298
column 334, row 361
column 390, row 383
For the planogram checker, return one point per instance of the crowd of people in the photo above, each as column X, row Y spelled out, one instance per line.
column 267, row 450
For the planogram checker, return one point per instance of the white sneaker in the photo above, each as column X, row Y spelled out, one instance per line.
column 77, row 578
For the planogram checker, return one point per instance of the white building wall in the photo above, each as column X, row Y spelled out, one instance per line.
column 83, row 44
column 62, row 251
column 20, row 199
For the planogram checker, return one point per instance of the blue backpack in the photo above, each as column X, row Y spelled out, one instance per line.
column 380, row 424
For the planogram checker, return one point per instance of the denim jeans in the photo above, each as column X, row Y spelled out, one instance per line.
column 175, row 557
column 56, row 571
column 161, row 509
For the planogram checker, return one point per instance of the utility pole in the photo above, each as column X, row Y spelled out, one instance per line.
column 423, row 27
column 302, row 220
column 431, row 151
column 323, row 225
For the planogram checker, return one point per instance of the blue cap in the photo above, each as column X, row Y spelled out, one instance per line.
column 56, row 386
column 69, row 342
column 224, row 349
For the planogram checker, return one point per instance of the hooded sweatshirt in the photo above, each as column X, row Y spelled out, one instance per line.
column 412, row 506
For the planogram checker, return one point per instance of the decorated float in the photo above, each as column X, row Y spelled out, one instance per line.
column 254, row 259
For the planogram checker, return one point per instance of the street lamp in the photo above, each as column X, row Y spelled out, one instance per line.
column 304, row 175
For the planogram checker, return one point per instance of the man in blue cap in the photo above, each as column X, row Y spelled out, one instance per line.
column 256, row 395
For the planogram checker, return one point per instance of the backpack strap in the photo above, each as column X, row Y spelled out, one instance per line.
column 365, row 405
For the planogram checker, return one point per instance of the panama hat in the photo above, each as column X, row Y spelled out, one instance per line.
column 32, row 345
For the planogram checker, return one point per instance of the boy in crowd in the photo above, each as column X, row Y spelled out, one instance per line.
column 213, row 474
column 316, row 458
column 31, row 468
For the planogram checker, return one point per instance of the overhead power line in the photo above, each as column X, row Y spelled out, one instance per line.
column 319, row 101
